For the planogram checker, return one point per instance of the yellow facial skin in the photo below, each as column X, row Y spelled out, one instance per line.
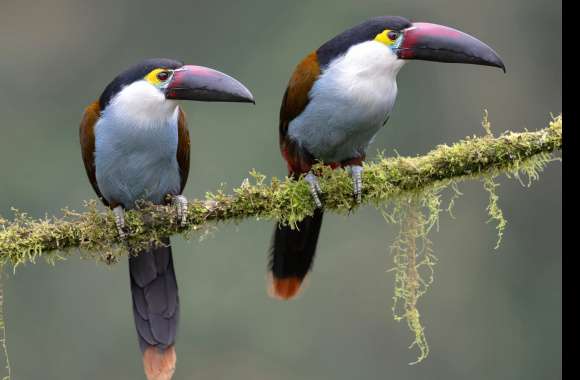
column 153, row 78
column 383, row 37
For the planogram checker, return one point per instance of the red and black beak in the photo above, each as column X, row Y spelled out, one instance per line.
column 432, row 42
column 204, row 84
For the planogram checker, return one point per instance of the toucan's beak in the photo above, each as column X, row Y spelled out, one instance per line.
column 204, row 84
column 432, row 42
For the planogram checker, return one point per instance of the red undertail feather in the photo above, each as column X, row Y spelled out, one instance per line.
column 159, row 364
column 285, row 288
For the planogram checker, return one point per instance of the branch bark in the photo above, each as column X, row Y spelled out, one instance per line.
column 25, row 239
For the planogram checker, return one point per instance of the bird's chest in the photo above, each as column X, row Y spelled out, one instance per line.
column 349, row 103
column 136, row 160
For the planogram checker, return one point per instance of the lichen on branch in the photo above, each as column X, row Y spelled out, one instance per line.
column 92, row 232
column 414, row 260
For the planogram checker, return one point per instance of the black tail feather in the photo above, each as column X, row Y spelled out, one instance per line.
column 155, row 296
column 292, row 252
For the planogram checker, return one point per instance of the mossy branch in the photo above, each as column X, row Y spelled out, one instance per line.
column 24, row 239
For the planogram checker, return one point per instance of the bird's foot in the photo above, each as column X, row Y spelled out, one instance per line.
column 315, row 190
column 120, row 221
column 356, row 174
column 180, row 203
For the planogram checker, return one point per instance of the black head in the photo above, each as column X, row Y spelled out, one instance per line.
column 179, row 82
column 407, row 40
column 135, row 73
column 365, row 31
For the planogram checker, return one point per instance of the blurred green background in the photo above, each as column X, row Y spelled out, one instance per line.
column 489, row 315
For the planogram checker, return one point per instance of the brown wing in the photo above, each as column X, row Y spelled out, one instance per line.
column 296, row 96
column 294, row 102
column 182, row 148
column 87, row 139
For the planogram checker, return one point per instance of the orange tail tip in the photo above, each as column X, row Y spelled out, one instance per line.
column 159, row 364
column 284, row 288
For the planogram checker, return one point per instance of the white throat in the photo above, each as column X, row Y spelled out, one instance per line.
column 369, row 59
column 142, row 104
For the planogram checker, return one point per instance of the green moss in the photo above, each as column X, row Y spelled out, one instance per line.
column 413, row 260
column 493, row 209
column 24, row 239
column 3, row 332
column 486, row 124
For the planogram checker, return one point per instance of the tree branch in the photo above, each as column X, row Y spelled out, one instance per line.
column 25, row 239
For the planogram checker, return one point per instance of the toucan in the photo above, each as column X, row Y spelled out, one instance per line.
column 135, row 147
column 337, row 99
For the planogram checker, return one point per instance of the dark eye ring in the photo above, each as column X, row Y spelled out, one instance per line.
column 393, row 35
column 163, row 75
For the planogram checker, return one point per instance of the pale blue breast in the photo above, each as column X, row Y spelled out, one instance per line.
column 335, row 129
column 136, row 161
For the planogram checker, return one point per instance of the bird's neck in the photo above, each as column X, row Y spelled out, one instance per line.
column 366, row 74
column 365, row 79
column 369, row 59
column 141, row 105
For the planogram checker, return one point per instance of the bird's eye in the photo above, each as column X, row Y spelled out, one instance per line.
column 393, row 35
column 163, row 75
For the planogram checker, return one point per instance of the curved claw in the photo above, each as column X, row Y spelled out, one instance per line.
column 180, row 203
column 314, row 188
column 356, row 173
column 120, row 221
